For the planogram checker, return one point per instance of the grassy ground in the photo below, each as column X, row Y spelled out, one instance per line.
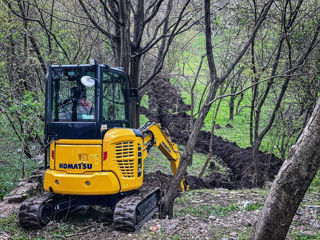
column 199, row 214
column 10, row 160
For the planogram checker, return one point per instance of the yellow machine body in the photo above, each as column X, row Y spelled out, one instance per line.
column 108, row 166
column 96, row 167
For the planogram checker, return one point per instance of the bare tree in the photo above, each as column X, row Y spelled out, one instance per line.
column 33, row 40
column 287, row 23
column 213, row 126
column 215, row 81
column 291, row 184
column 129, row 38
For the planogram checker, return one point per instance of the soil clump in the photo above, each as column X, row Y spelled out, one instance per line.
column 167, row 107
column 157, row 179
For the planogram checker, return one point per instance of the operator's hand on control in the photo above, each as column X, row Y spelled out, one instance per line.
column 86, row 104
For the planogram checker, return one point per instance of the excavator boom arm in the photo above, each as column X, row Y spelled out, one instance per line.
column 156, row 136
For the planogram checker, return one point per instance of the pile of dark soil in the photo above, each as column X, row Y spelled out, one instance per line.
column 157, row 179
column 195, row 182
column 162, row 180
column 167, row 107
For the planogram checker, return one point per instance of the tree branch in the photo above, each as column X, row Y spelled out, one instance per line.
column 97, row 26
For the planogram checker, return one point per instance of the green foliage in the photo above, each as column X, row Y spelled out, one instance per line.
column 144, row 101
column 55, row 231
column 28, row 111
column 315, row 185
column 143, row 119
column 10, row 165
column 253, row 206
column 9, row 224
column 176, row 237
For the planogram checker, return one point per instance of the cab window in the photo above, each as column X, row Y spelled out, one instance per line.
column 114, row 94
column 71, row 99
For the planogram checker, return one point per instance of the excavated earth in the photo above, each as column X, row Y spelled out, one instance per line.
column 167, row 107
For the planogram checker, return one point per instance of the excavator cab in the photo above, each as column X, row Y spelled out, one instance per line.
column 94, row 157
column 83, row 100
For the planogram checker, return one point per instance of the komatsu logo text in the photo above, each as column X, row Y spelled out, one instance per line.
column 75, row 166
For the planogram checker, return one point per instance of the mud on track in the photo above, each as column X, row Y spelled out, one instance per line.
column 167, row 107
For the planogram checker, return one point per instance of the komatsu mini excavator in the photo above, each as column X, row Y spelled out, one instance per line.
column 94, row 157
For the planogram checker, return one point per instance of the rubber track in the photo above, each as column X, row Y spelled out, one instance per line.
column 29, row 212
column 124, row 216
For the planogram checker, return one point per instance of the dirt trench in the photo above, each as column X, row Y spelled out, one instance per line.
column 167, row 107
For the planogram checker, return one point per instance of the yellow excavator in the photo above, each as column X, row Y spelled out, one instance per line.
column 93, row 156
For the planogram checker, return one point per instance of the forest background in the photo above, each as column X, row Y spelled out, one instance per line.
column 266, row 52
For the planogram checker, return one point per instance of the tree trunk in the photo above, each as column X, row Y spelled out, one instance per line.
column 239, row 103
column 231, row 108
column 291, row 183
column 210, row 154
column 186, row 158
column 22, row 160
column 254, row 80
column 134, row 113
column 134, row 103
column 258, row 176
column 124, row 10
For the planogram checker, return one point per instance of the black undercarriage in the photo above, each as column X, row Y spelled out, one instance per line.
column 130, row 210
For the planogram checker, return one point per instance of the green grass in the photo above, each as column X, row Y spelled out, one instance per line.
column 315, row 185
column 240, row 131
column 241, row 124
column 55, row 231
column 314, row 188
column 253, row 206
column 9, row 224
column 10, row 165
column 204, row 211
column 187, row 197
column 302, row 236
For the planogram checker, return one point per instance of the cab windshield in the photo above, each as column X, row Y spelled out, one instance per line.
column 72, row 100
